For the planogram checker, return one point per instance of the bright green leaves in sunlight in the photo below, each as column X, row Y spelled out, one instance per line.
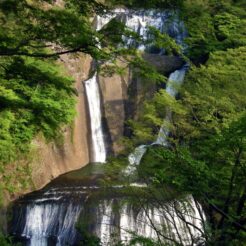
column 37, row 88
column 153, row 116
column 35, row 98
column 213, row 25
column 214, row 94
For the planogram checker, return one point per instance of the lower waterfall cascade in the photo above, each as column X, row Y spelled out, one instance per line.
column 49, row 217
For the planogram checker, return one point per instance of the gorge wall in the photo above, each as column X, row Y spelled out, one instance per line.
column 53, row 159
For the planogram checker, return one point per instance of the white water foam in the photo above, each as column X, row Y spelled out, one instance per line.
column 94, row 102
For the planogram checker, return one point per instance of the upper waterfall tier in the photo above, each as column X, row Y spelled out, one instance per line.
column 139, row 21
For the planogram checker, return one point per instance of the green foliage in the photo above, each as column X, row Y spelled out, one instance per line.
column 214, row 94
column 153, row 116
column 215, row 176
column 36, row 99
column 142, row 241
column 87, row 239
column 27, row 27
column 6, row 241
column 213, row 25
column 206, row 154
column 163, row 40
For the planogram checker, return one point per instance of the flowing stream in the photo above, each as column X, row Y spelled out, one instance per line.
column 49, row 217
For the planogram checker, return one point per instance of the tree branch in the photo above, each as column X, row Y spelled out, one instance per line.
column 235, row 223
column 42, row 55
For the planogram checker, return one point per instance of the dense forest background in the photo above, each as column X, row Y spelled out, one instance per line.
column 208, row 129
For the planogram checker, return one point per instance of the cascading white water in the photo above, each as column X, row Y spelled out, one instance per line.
column 179, row 220
column 175, row 80
column 135, row 158
column 139, row 21
column 164, row 22
column 50, row 217
column 94, row 102
column 44, row 220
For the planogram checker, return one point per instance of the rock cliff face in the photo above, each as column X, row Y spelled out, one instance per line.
column 164, row 64
column 53, row 159
column 122, row 96
column 114, row 96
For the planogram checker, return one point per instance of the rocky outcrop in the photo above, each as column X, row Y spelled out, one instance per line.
column 123, row 95
column 50, row 160
column 114, row 90
column 164, row 64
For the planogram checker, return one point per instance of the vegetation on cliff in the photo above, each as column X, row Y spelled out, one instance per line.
column 36, row 96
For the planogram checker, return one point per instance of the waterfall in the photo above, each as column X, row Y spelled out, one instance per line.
column 94, row 102
column 164, row 22
column 46, row 219
column 180, row 220
column 140, row 20
column 174, row 81
column 49, row 218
